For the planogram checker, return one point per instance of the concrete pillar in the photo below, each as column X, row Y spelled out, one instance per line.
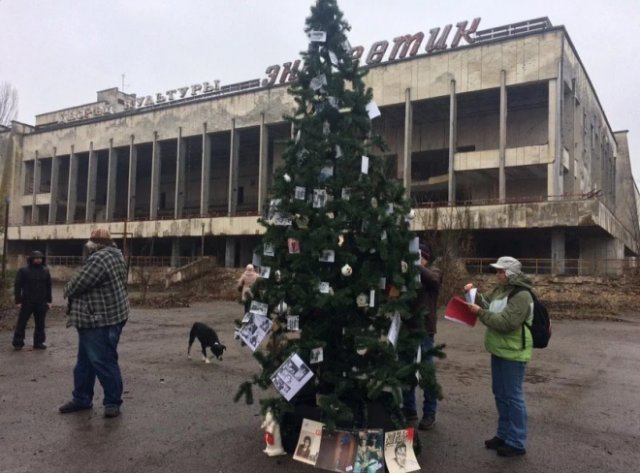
column 180, row 176
column 154, row 198
column 230, row 252
column 262, row 166
column 408, row 142
column 233, row 169
column 72, row 189
column 175, row 252
column 55, row 194
column 205, row 174
column 554, row 169
column 502, row 177
column 112, row 175
column 133, row 167
column 36, row 188
column 453, row 140
column 557, row 251
column 92, row 180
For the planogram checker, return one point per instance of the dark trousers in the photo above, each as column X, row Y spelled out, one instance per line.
column 98, row 357
column 39, row 311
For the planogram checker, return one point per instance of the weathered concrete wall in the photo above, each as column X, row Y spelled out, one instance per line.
column 143, row 229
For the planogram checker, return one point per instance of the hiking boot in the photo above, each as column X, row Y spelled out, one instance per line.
column 72, row 406
column 494, row 443
column 509, row 451
column 111, row 411
column 427, row 423
column 41, row 346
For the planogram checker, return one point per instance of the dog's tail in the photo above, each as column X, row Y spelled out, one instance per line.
column 192, row 337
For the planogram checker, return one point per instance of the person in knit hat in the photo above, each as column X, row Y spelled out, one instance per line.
column 32, row 291
column 98, row 309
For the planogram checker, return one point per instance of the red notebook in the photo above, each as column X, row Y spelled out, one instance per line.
column 458, row 311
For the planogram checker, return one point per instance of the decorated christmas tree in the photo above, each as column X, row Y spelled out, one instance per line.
column 338, row 258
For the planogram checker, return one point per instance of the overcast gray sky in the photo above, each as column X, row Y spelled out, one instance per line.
column 58, row 53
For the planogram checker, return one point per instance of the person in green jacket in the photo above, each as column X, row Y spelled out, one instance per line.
column 510, row 345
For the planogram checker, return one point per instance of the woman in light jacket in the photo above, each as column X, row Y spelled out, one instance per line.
column 504, row 311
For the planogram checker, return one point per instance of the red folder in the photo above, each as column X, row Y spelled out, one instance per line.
column 458, row 311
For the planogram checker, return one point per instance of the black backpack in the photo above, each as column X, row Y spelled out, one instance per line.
column 540, row 328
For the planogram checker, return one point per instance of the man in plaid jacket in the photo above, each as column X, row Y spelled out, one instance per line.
column 98, row 309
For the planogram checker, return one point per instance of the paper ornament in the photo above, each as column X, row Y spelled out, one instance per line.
column 319, row 198
column 340, row 240
column 294, row 246
column 318, row 82
column 364, row 165
column 382, row 283
column 361, row 300
column 346, row 270
column 317, row 36
column 291, row 376
column 264, row 272
column 268, row 249
column 404, row 266
column 324, row 287
column 302, row 221
column 293, row 323
column 299, row 193
column 327, row 256
column 374, row 202
column 338, row 151
column 325, row 173
column 317, row 356
column 372, row 298
column 277, row 275
column 346, row 193
column 286, row 177
column 326, row 128
column 333, row 101
column 373, row 110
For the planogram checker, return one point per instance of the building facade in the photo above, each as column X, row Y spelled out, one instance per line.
column 503, row 136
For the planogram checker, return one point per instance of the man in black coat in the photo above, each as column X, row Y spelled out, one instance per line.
column 33, row 296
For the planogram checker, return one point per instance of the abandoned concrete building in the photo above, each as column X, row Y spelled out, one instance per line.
column 504, row 136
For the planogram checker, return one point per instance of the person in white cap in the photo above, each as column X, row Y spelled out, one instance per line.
column 510, row 346
column 98, row 309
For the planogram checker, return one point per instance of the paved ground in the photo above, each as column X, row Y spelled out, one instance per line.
column 583, row 395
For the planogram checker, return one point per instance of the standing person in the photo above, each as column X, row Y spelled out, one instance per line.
column 32, row 290
column 510, row 345
column 244, row 285
column 98, row 309
column 426, row 300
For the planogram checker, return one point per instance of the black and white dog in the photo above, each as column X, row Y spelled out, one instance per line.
column 207, row 338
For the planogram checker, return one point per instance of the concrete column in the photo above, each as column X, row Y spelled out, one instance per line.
column 154, row 198
column 502, row 177
column 133, row 167
column 233, row 169
column 262, row 166
column 557, row 251
column 92, row 180
column 206, row 171
column 554, row 169
column 55, row 194
column 230, row 252
column 559, row 167
column 36, row 188
column 72, row 189
column 453, row 140
column 175, row 252
column 180, row 176
column 408, row 142
column 112, row 174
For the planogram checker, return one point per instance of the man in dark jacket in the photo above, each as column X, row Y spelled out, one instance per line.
column 98, row 309
column 426, row 300
column 32, row 296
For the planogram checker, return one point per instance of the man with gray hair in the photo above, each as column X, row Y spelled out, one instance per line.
column 98, row 309
column 504, row 311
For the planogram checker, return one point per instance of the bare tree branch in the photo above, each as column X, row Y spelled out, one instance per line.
column 8, row 103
